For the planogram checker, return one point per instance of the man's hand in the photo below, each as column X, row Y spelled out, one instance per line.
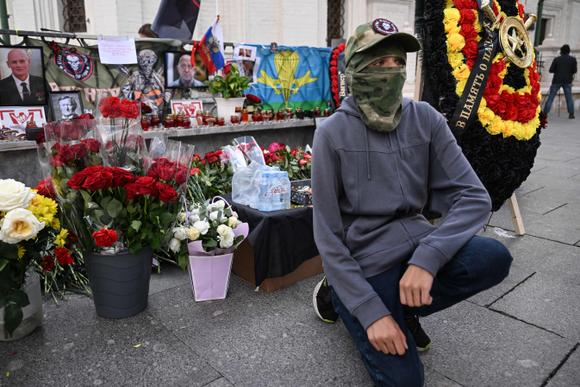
column 386, row 336
column 415, row 286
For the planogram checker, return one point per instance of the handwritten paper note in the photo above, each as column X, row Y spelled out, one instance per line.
column 117, row 50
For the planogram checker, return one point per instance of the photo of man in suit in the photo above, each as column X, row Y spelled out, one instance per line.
column 21, row 88
column 188, row 74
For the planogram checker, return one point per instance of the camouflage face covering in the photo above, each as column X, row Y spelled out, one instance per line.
column 378, row 93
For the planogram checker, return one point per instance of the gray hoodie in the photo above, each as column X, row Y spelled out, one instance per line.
column 369, row 189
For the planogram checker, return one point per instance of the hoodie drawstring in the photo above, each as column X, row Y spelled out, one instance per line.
column 368, row 154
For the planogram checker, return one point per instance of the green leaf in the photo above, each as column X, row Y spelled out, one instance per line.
column 12, row 318
column 136, row 225
column 3, row 264
column 114, row 207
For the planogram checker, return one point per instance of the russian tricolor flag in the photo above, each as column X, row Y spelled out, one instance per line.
column 211, row 48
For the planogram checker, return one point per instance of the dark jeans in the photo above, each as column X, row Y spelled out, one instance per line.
column 479, row 265
column 567, row 87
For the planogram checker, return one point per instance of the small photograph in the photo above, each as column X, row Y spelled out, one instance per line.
column 249, row 68
column 180, row 73
column 187, row 107
column 242, row 52
column 15, row 121
column 22, row 79
column 66, row 105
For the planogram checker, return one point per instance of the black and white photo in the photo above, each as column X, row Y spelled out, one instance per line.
column 66, row 105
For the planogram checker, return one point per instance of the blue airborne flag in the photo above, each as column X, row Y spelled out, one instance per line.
column 292, row 77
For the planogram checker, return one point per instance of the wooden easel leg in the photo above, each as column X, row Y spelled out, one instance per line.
column 516, row 215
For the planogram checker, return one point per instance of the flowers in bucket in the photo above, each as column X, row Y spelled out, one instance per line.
column 296, row 161
column 31, row 237
column 212, row 231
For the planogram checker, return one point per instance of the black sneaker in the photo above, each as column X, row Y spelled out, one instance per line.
column 422, row 341
column 322, row 302
column 571, row 116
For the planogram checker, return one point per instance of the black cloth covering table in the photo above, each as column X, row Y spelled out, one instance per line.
column 282, row 240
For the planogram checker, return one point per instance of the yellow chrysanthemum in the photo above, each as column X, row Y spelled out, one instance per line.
column 55, row 224
column 43, row 208
column 461, row 72
column 455, row 42
column 60, row 239
column 455, row 60
column 21, row 251
column 451, row 15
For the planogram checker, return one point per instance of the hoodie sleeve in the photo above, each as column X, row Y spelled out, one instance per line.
column 455, row 190
column 342, row 270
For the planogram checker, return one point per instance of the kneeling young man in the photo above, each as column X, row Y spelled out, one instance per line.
column 377, row 162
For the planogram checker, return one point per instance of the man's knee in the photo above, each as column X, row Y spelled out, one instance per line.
column 407, row 374
column 498, row 260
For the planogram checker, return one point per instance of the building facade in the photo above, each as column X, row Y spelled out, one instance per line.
column 287, row 22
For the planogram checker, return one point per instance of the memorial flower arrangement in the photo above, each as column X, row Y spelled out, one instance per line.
column 296, row 161
column 31, row 237
column 231, row 85
column 502, row 141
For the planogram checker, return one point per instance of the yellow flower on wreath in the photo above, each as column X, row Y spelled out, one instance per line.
column 60, row 239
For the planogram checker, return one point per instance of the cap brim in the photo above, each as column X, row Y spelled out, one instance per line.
column 407, row 41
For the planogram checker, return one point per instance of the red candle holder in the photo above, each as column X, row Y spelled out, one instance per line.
column 235, row 119
column 220, row 121
column 145, row 123
column 155, row 120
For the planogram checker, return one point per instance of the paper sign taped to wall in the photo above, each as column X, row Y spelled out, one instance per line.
column 117, row 50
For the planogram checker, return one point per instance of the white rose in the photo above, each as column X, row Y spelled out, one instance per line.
column 213, row 215
column 181, row 217
column 227, row 239
column 14, row 194
column 193, row 218
column 233, row 222
column 222, row 229
column 179, row 233
column 202, row 226
column 174, row 245
column 19, row 225
column 192, row 233
column 220, row 204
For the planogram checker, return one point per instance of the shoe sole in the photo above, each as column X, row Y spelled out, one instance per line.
column 425, row 348
column 314, row 293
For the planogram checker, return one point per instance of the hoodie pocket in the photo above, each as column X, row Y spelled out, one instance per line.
column 378, row 182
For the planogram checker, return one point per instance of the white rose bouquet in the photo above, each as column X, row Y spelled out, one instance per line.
column 210, row 228
column 31, row 236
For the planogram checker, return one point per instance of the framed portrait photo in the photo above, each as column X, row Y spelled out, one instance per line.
column 65, row 105
column 22, row 80
column 180, row 73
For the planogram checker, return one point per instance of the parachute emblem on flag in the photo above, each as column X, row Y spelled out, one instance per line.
column 286, row 65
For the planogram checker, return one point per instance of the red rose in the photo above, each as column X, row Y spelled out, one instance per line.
column 253, row 98
column 227, row 68
column 92, row 145
column 275, row 147
column 194, row 171
column 64, row 256
column 166, row 193
column 47, row 263
column 197, row 157
column 105, row 237
column 45, row 188
column 121, row 176
column 144, row 185
column 181, row 175
column 77, row 180
column 302, row 162
column 129, row 109
column 84, row 116
column 101, row 179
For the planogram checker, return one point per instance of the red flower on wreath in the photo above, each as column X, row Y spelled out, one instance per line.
column 105, row 237
column 63, row 256
column 333, row 64
column 47, row 263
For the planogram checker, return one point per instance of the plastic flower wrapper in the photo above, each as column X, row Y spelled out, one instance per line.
column 250, row 148
column 171, row 163
column 69, row 147
column 235, row 157
column 119, row 131
column 208, row 228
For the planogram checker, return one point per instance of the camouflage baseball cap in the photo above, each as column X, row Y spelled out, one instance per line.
column 379, row 30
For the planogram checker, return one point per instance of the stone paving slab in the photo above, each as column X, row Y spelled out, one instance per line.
column 569, row 374
column 548, row 301
column 169, row 277
column 477, row 347
column 134, row 351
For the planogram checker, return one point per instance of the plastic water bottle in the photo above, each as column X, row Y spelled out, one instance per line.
column 274, row 191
